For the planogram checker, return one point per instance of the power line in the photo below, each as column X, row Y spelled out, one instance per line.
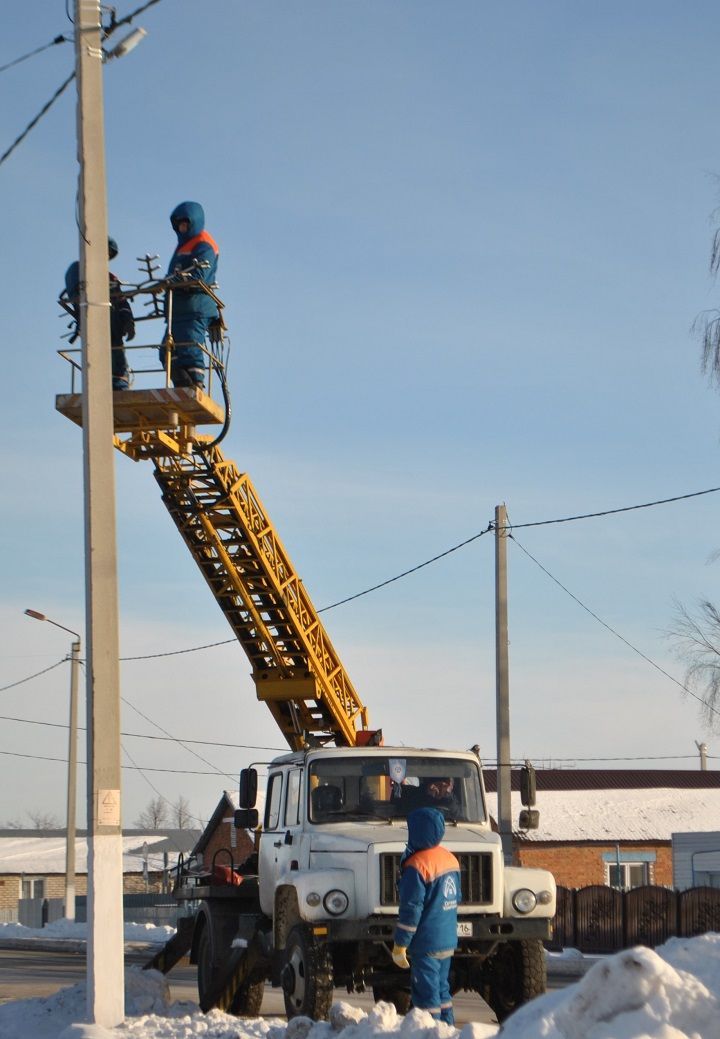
column 612, row 512
column 142, row 735
column 129, row 17
column 38, row 117
column 612, row 631
column 172, row 771
column 178, row 652
column 31, row 54
column 36, row 675
column 441, row 555
column 405, row 573
column 194, row 753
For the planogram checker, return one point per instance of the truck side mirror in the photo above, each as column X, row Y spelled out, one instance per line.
column 248, row 787
column 246, row 818
column 528, row 786
column 529, row 819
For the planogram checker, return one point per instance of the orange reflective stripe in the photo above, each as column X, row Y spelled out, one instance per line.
column 431, row 863
column 187, row 247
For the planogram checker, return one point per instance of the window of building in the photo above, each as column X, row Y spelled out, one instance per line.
column 628, row 869
column 32, row 887
column 627, row 875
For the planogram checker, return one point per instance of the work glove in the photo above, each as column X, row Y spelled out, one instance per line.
column 399, row 955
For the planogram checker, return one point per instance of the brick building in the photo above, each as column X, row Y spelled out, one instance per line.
column 611, row 826
column 220, row 840
column 32, row 862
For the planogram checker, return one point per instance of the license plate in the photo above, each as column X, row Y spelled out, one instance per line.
column 464, row 930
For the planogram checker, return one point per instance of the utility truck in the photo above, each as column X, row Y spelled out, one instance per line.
column 315, row 906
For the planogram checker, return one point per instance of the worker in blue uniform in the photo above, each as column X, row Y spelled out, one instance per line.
column 191, row 311
column 122, row 322
column 426, row 930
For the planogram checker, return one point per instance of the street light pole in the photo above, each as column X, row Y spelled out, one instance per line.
column 105, row 973
column 71, row 825
column 502, row 694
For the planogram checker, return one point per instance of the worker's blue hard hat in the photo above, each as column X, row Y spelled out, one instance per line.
column 112, row 248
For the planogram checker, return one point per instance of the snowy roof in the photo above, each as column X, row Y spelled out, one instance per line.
column 45, row 855
column 618, row 804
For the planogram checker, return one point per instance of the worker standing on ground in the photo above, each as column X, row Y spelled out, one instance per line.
column 122, row 322
column 427, row 915
column 191, row 310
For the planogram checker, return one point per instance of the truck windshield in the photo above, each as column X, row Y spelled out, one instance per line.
column 375, row 787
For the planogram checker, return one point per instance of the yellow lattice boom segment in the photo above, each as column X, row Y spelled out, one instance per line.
column 296, row 669
column 218, row 512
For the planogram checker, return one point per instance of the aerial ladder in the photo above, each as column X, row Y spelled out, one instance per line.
column 295, row 667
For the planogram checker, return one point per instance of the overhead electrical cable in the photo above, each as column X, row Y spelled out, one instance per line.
column 612, row 512
column 180, row 743
column 33, row 122
column 157, row 792
column 36, row 675
column 440, row 555
column 612, row 630
column 172, row 771
column 31, row 54
column 144, row 736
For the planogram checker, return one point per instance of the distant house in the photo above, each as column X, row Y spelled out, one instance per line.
column 220, row 842
column 32, row 862
column 612, row 826
column 696, row 859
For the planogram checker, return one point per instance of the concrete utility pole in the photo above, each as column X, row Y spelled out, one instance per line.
column 502, row 691
column 105, row 977
column 72, row 783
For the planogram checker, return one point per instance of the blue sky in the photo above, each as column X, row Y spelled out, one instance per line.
column 462, row 246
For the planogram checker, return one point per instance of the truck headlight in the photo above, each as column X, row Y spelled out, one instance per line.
column 336, row 902
column 312, row 899
column 544, row 898
column 524, row 900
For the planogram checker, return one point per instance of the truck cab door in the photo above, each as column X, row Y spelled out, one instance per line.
column 282, row 844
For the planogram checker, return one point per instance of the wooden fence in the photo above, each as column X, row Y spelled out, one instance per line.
column 600, row 919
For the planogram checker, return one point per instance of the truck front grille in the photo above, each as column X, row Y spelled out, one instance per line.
column 475, row 878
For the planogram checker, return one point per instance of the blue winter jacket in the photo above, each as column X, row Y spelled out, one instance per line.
column 429, row 887
column 195, row 244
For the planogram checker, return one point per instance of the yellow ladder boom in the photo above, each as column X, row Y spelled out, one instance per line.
column 295, row 667
column 218, row 512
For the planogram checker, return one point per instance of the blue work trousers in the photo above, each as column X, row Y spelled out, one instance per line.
column 429, row 985
column 187, row 364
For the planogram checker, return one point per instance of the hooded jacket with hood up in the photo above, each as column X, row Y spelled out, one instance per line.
column 429, row 887
column 195, row 244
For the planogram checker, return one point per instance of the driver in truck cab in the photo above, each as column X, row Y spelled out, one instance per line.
column 426, row 931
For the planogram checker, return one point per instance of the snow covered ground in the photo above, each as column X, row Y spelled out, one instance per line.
column 672, row 992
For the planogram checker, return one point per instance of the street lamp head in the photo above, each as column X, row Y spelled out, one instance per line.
column 125, row 45
column 41, row 617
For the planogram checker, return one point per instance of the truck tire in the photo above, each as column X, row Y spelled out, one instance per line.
column 306, row 975
column 248, row 999
column 518, row 973
column 399, row 997
column 205, row 976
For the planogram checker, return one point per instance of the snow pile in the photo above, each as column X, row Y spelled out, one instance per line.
column 670, row 993
column 60, row 929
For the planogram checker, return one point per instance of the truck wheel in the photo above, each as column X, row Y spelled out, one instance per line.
column 399, row 997
column 306, row 975
column 248, row 999
column 205, row 969
column 518, row 973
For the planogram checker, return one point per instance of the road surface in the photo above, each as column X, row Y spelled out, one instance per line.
column 28, row 973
